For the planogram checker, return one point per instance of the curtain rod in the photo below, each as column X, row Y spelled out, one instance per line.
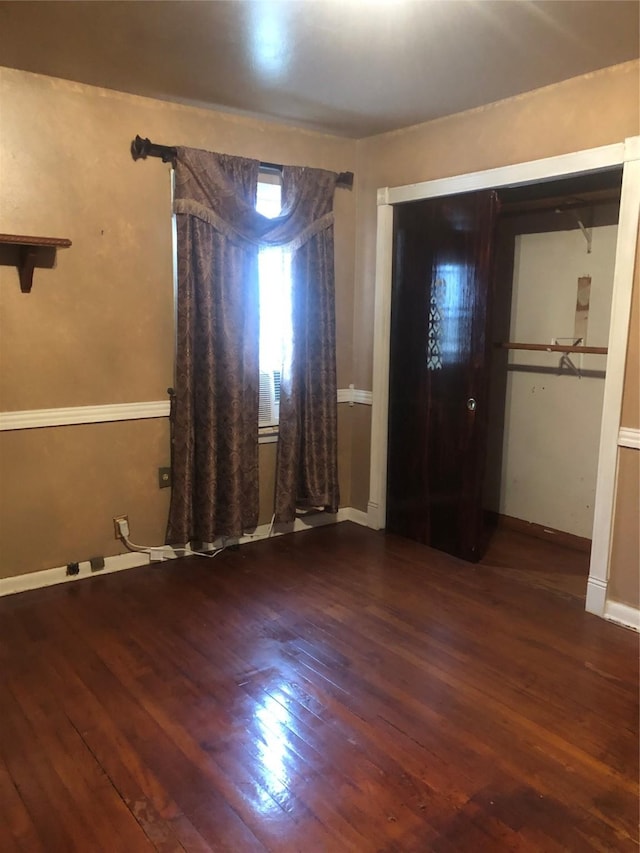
column 143, row 148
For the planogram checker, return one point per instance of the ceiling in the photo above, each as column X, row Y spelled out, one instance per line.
column 352, row 68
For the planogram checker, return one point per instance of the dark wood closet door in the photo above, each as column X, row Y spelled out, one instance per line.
column 439, row 370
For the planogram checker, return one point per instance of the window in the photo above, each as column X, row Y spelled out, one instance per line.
column 275, row 307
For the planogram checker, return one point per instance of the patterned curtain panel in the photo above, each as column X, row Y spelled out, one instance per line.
column 215, row 448
column 215, row 420
column 307, row 464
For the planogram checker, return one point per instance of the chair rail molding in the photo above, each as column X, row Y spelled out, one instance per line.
column 74, row 415
column 629, row 437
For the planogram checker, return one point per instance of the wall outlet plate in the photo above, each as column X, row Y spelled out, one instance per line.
column 164, row 478
column 116, row 519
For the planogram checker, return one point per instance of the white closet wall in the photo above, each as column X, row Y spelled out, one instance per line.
column 552, row 420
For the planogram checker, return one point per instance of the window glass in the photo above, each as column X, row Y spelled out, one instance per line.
column 275, row 307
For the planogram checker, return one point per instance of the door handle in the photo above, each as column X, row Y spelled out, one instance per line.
column 471, row 404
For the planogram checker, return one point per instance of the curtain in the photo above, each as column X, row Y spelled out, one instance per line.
column 215, row 452
column 307, row 463
column 215, row 426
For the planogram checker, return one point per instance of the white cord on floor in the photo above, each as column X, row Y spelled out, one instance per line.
column 168, row 552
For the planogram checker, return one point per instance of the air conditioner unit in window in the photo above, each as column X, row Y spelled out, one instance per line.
column 269, row 410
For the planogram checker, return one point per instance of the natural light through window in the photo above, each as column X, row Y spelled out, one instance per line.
column 275, row 307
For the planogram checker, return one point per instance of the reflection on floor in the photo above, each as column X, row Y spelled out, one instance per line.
column 536, row 562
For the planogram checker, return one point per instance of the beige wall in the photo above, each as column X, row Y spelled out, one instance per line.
column 631, row 399
column 585, row 112
column 624, row 585
column 625, row 554
column 98, row 328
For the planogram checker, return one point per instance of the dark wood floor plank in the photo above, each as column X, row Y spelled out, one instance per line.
column 410, row 669
column 76, row 768
column 389, row 816
column 245, row 787
column 331, row 691
column 35, row 766
column 159, row 755
column 17, row 830
column 149, row 802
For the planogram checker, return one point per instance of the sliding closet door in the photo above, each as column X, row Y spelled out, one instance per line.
column 439, row 370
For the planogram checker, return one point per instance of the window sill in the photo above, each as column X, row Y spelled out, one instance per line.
column 268, row 435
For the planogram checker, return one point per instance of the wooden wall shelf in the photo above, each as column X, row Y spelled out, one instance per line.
column 555, row 348
column 28, row 252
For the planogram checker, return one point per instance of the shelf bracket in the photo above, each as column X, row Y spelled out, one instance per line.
column 27, row 253
column 27, row 258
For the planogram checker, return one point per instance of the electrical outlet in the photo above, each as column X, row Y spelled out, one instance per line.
column 73, row 569
column 116, row 527
column 164, row 477
column 96, row 563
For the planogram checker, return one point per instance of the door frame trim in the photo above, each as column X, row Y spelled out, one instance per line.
column 625, row 154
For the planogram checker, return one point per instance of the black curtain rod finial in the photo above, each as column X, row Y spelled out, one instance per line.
column 138, row 148
column 143, row 148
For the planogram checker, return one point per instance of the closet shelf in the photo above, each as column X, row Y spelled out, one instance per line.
column 554, row 348
column 28, row 252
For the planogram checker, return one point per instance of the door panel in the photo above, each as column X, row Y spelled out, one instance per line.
column 439, row 370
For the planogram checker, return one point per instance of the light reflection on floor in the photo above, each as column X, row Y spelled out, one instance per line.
column 272, row 721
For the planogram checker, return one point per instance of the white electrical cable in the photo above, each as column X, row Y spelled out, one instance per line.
column 189, row 552
column 147, row 549
column 169, row 552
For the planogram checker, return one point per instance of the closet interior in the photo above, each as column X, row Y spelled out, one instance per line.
column 501, row 304
column 555, row 247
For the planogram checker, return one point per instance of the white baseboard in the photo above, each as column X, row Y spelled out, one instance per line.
column 622, row 614
column 350, row 513
column 596, row 596
column 50, row 577
column 373, row 516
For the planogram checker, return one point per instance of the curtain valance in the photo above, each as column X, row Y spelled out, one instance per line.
column 206, row 187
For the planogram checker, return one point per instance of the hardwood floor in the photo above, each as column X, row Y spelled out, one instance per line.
column 334, row 690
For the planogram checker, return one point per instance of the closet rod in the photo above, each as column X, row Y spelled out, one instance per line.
column 143, row 148
column 555, row 348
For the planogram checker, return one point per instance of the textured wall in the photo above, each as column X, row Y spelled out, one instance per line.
column 625, row 549
column 98, row 328
column 624, row 585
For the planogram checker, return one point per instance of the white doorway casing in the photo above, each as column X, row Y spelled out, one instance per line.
column 625, row 154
